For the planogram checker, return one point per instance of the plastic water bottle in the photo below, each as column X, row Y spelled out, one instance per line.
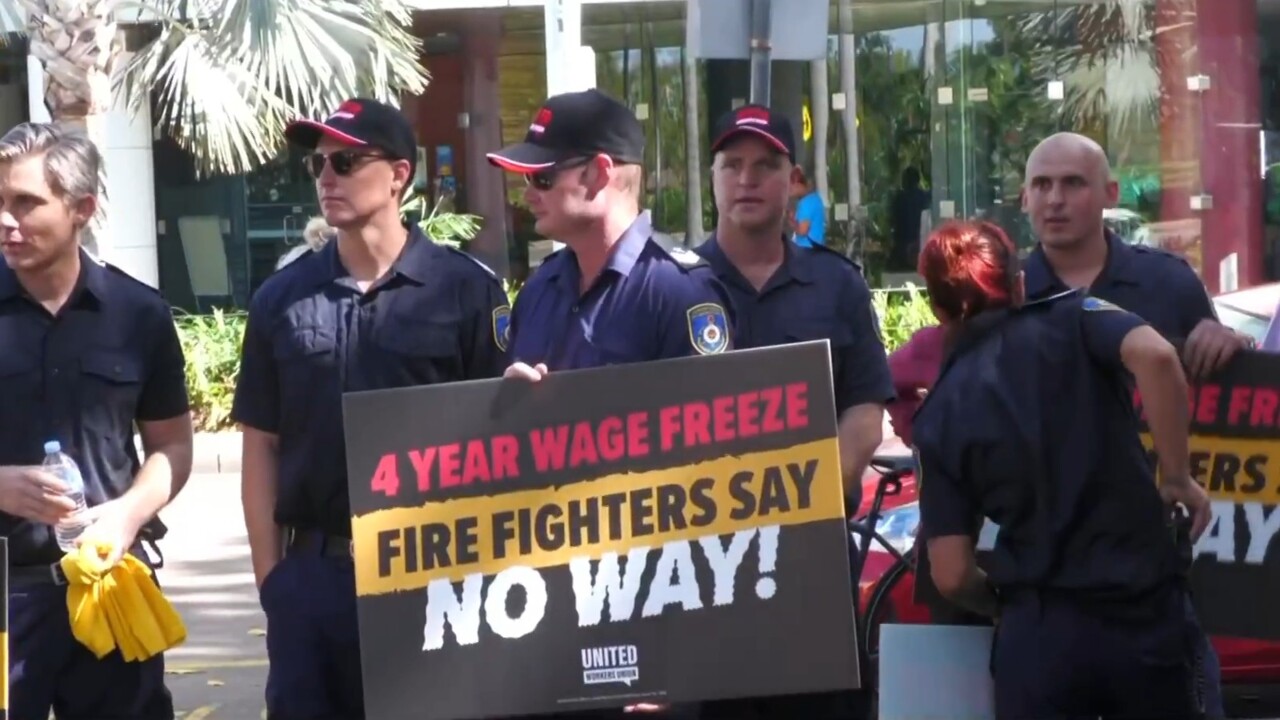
column 61, row 466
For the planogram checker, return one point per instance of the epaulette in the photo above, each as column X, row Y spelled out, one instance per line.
column 832, row 251
column 687, row 258
column 117, row 271
column 1050, row 299
column 474, row 259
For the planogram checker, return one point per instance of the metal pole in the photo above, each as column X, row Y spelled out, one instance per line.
column 761, row 50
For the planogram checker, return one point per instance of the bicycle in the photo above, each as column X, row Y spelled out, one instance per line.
column 892, row 470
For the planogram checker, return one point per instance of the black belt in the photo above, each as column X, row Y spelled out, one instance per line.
column 28, row 575
column 53, row 574
column 317, row 542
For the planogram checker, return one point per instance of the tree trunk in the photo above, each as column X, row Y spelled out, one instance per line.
column 849, row 121
column 75, row 40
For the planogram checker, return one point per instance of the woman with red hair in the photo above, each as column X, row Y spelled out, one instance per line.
column 1030, row 423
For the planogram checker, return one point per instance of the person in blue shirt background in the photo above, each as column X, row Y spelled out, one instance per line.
column 810, row 227
column 1031, row 423
column 613, row 295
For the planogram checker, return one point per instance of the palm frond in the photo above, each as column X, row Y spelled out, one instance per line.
column 229, row 82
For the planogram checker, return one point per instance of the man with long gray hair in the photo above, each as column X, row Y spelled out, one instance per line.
column 87, row 353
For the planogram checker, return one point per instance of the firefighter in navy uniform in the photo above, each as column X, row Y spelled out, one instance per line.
column 1068, row 184
column 86, row 354
column 379, row 306
column 1030, row 423
column 613, row 295
column 783, row 293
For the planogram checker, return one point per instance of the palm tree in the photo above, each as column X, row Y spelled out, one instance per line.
column 222, row 77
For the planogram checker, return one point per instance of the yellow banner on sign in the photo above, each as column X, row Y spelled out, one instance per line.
column 406, row 548
column 808, row 123
column 1234, row 469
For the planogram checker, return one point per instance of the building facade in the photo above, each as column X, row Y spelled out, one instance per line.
column 1184, row 95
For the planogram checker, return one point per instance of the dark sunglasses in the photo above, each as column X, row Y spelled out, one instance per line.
column 546, row 179
column 343, row 161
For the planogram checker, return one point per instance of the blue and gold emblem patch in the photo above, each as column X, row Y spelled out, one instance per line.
column 502, row 327
column 1093, row 304
column 708, row 329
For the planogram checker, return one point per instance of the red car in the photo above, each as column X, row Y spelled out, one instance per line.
column 1250, row 668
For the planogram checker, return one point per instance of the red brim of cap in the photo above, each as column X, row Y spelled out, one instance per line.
column 524, row 158
column 307, row 134
column 758, row 132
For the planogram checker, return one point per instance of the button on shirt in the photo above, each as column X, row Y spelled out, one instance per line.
column 1030, row 424
column 645, row 305
column 110, row 357
column 815, row 294
column 1157, row 286
column 437, row 316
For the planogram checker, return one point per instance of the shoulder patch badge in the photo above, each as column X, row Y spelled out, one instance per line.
column 502, row 327
column 1093, row 304
column 708, row 328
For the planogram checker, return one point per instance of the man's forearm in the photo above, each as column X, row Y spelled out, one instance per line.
column 860, row 432
column 258, row 496
column 163, row 475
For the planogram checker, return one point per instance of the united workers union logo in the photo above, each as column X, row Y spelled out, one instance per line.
column 502, row 327
column 617, row 664
column 708, row 329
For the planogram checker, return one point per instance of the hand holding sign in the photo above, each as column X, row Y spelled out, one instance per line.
column 1186, row 492
column 525, row 372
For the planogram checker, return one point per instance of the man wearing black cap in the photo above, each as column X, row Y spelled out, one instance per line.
column 613, row 295
column 380, row 306
column 784, row 293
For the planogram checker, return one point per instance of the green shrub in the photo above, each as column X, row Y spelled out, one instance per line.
column 211, row 344
column 902, row 311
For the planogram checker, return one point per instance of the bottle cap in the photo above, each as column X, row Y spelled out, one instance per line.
column 53, row 447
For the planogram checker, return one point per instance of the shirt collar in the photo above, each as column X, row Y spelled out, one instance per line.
column 797, row 264
column 414, row 262
column 622, row 256
column 1041, row 280
column 92, row 279
column 415, row 259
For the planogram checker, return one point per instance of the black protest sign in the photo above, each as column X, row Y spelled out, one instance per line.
column 659, row 532
column 1235, row 455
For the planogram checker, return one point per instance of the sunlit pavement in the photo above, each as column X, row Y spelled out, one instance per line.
column 220, row 671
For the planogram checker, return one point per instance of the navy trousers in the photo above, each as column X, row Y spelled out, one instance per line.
column 313, row 641
column 50, row 669
column 1054, row 659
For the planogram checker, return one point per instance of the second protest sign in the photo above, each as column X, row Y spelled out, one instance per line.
column 659, row 532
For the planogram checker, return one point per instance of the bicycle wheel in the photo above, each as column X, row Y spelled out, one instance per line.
column 878, row 611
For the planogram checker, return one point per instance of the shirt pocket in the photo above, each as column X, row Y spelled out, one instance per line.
column 622, row 346
column 306, row 369
column 111, row 382
column 420, row 351
column 22, row 413
column 810, row 329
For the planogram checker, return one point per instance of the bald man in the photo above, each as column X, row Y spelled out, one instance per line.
column 1067, row 186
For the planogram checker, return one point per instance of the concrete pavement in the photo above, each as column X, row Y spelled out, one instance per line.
column 220, row 671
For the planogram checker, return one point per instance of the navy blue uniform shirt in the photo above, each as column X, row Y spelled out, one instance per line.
column 437, row 316
column 816, row 294
column 1156, row 285
column 1030, row 424
column 647, row 304
column 110, row 357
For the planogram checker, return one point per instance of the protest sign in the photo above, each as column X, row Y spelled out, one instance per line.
column 1235, row 455
column 659, row 532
